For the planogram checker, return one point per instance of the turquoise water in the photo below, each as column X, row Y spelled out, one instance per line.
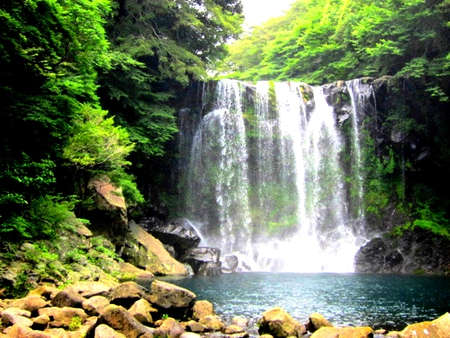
column 379, row 301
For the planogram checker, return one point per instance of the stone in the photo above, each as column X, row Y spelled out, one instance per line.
column 12, row 311
column 8, row 319
column 278, row 323
column 94, row 305
column 145, row 251
column 232, row 262
column 30, row 303
column 197, row 257
column 169, row 328
column 127, row 293
column 62, row 317
column 169, row 296
column 41, row 320
column 212, row 323
column 194, row 326
column 89, row 289
column 240, row 321
column 232, row 329
column 104, row 331
column 343, row 332
column 202, row 308
column 190, row 335
column 139, row 275
column 438, row 328
column 210, row 269
column 118, row 318
column 178, row 233
column 68, row 298
column 141, row 310
column 19, row 331
column 316, row 321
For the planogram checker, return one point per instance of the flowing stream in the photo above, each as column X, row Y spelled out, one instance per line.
column 267, row 178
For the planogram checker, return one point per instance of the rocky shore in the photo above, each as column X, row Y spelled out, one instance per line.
column 129, row 310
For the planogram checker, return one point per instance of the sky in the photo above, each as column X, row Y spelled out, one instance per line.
column 259, row 11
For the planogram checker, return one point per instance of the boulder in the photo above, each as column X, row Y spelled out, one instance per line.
column 138, row 275
column 118, row 318
column 202, row 308
column 212, row 323
column 178, row 233
column 104, row 331
column 194, row 326
column 126, row 294
column 19, row 331
column 30, row 303
column 240, row 321
column 231, row 262
column 68, row 297
column 278, row 323
column 316, row 321
column 89, row 289
column 41, row 320
column 233, row 329
column 204, row 261
column 109, row 213
column 145, row 251
column 94, row 305
column 438, row 328
column 343, row 332
column 169, row 296
column 169, row 328
column 62, row 317
column 141, row 310
column 417, row 250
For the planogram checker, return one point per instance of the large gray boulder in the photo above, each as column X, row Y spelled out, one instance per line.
column 204, row 261
column 178, row 233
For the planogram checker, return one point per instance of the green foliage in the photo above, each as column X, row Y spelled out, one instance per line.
column 75, row 323
column 328, row 40
column 44, row 219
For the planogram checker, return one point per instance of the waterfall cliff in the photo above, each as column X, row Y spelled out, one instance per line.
column 272, row 173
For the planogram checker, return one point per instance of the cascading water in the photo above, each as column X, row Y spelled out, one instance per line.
column 266, row 182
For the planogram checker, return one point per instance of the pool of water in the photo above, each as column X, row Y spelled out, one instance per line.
column 378, row 301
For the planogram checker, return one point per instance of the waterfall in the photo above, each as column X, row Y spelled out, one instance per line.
column 265, row 178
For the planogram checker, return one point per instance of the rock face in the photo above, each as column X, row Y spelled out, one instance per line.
column 109, row 213
column 438, row 328
column 204, row 261
column 278, row 323
column 417, row 251
column 179, row 234
column 147, row 252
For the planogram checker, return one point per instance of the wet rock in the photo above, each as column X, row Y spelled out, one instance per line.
column 278, row 323
column 212, row 323
column 316, row 321
column 178, row 233
column 438, row 328
column 170, row 296
column 343, row 332
column 240, row 321
column 202, row 308
column 120, row 320
column 169, row 328
column 197, row 257
column 233, row 329
column 210, row 269
column 232, row 263
column 194, row 326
